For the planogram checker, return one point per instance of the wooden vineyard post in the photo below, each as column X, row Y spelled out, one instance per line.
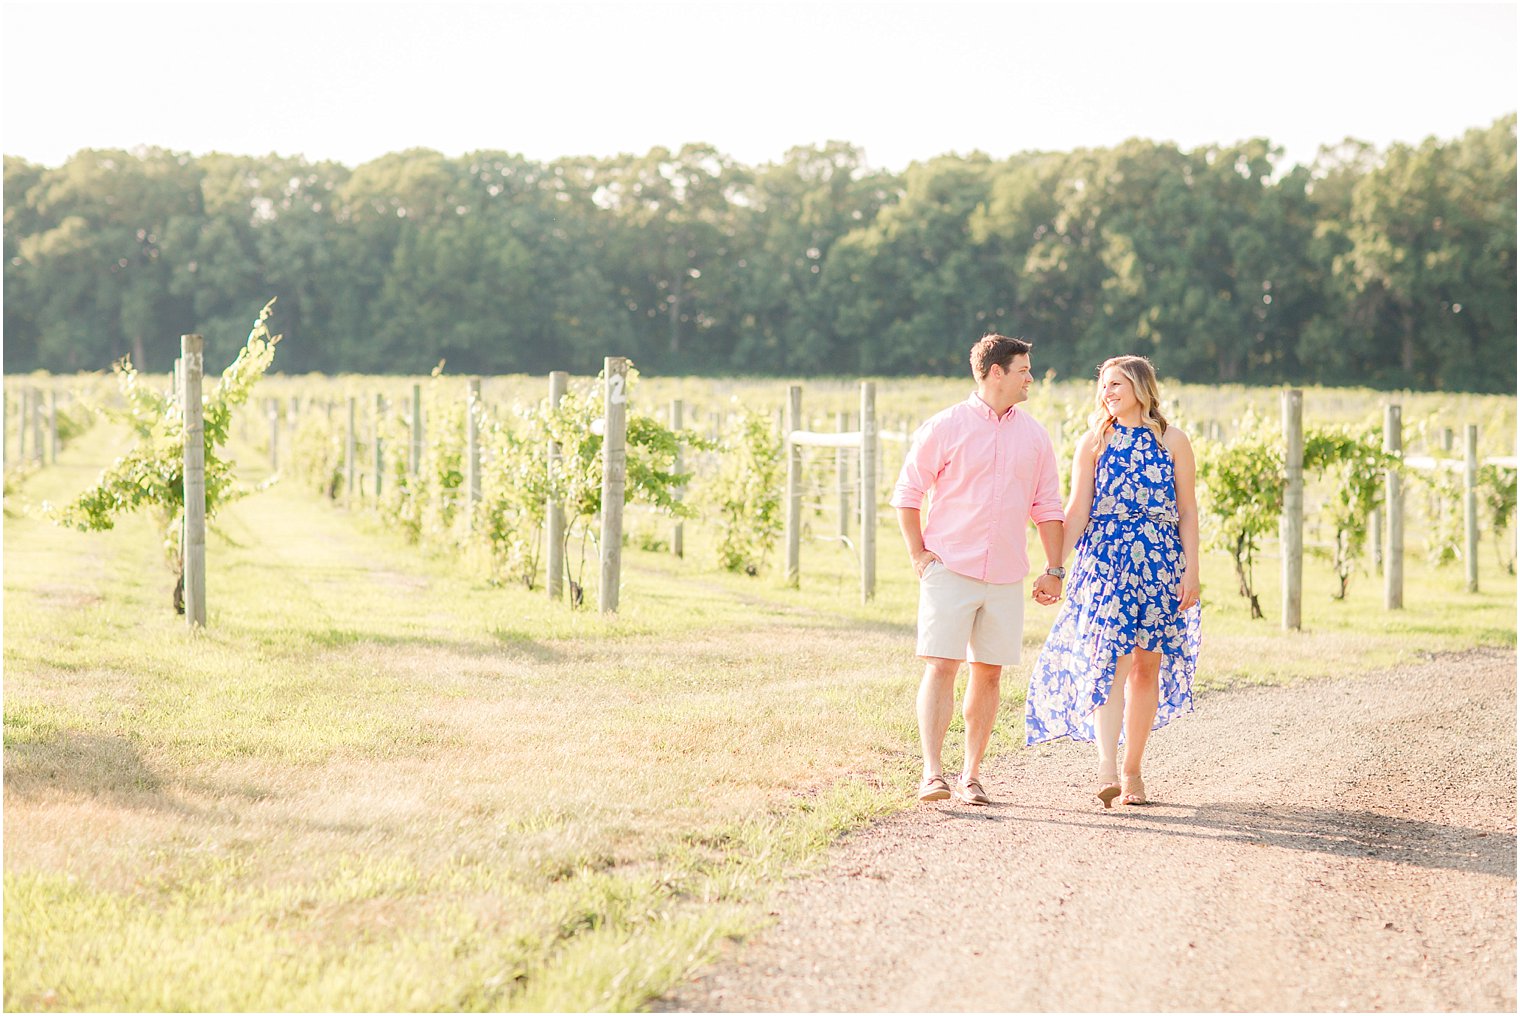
column 1292, row 526
column 39, row 447
column 867, row 490
column 379, row 446
column 416, row 429
column 472, row 452
column 1470, row 505
column 29, row 422
column 274, row 435
column 614, row 479
column 193, row 552
column 1393, row 552
column 678, row 529
column 554, row 521
column 1375, row 539
column 350, row 451
column 21, row 425
column 793, row 486
column 842, row 475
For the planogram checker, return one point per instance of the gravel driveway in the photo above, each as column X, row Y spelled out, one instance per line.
column 1338, row 844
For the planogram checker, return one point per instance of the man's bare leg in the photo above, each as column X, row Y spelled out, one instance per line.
column 936, row 704
column 980, row 710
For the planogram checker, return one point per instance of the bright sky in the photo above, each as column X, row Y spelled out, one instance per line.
column 905, row 81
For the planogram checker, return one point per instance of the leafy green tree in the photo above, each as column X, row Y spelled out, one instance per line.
column 95, row 271
column 21, row 300
column 217, row 268
column 1065, row 269
column 1190, row 258
column 451, row 292
column 1338, row 343
column 1021, row 209
column 1433, row 249
column 298, row 252
column 671, row 237
column 1388, row 268
column 1478, row 268
column 799, row 209
column 908, row 290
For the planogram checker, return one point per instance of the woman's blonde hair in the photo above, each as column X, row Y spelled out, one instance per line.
column 1142, row 377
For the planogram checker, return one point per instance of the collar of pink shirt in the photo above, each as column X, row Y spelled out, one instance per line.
column 975, row 402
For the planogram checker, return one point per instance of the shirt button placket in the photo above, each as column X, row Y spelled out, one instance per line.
column 997, row 494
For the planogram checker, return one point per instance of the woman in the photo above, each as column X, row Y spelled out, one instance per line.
column 1128, row 632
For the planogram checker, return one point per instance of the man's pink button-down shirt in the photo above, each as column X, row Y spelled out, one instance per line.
column 986, row 477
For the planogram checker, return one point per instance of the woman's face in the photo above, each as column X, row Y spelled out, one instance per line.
column 1118, row 393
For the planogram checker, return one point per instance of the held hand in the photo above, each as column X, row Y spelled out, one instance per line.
column 1047, row 590
column 922, row 560
column 1189, row 591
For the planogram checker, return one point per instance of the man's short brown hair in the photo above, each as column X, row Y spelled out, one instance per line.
column 995, row 349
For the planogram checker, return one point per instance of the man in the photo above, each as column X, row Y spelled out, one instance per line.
column 987, row 469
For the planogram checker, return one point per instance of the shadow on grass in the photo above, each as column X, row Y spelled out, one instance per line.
column 491, row 643
column 1315, row 830
column 87, row 765
column 499, row 637
column 775, row 603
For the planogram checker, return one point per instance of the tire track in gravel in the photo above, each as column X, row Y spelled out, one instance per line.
column 1347, row 843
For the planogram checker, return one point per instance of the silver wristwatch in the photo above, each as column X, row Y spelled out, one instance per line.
column 1057, row 571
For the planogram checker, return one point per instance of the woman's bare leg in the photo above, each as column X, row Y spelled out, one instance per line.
column 1110, row 721
column 1142, row 694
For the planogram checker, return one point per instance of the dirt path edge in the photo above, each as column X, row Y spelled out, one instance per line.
column 1347, row 843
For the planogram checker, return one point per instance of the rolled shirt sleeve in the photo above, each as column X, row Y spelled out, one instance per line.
column 1046, row 506
column 920, row 469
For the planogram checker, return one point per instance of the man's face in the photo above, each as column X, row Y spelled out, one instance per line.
column 1013, row 384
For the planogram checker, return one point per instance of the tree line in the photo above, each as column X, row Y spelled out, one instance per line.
column 1389, row 268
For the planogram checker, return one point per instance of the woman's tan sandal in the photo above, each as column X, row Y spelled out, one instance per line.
column 1134, row 790
column 1107, row 792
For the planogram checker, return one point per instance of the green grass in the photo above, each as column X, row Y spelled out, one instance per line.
column 377, row 782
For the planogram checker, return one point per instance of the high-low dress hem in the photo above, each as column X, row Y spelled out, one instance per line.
column 1122, row 594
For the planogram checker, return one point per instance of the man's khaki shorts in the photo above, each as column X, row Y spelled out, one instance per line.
column 960, row 618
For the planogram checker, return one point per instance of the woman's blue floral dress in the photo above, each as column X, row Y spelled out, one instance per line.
column 1122, row 594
